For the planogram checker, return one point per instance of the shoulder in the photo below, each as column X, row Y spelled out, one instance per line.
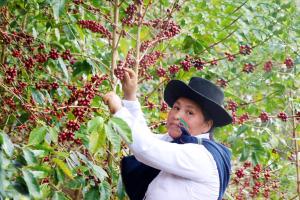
column 164, row 137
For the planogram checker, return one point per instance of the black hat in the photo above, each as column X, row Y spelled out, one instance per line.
column 206, row 94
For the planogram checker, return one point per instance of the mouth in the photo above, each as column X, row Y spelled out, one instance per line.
column 173, row 125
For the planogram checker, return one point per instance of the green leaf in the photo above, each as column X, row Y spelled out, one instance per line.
column 32, row 184
column 7, row 145
column 82, row 67
column 3, row 2
column 1, row 174
column 98, row 171
column 63, row 67
column 92, row 194
column 245, row 153
column 95, row 124
column 242, row 129
column 121, row 128
column 188, row 42
column 113, row 138
column 97, row 136
column 29, row 157
column 96, row 141
column 69, row 32
column 37, row 135
column 53, row 134
column 77, row 183
column 60, row 176
column 105, row 190
column 120, row 189
column 58, row 8
column 38, row 97
column 57, row 34
column 63, row 167
column 59, row 196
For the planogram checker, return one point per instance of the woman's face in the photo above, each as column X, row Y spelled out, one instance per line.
column 191, row 113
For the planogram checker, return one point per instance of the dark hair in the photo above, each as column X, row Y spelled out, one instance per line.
column 207, row 118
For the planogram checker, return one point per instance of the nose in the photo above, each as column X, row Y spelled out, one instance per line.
column 178, row 115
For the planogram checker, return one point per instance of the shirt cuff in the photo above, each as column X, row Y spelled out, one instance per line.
column 131, row 105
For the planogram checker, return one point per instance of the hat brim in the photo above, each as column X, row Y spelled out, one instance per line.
column 176, row 89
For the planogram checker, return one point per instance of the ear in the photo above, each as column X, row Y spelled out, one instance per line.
column 208, row 125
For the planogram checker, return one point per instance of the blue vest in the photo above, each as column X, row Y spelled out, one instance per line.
column 137, row 176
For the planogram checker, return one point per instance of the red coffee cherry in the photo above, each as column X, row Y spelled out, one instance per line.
column 289, row 62
column 264, row 117
column 268, row 66
column 283, row 116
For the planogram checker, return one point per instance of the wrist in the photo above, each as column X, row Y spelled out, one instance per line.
column 131, row 97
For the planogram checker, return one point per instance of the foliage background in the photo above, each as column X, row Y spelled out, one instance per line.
column 34, row 163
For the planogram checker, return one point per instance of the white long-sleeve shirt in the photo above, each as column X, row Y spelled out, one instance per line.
column 188, row 171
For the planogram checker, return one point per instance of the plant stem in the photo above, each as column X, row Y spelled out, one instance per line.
column 3, row 28
column 138, row 38
column 114, row 42
column 295, row 135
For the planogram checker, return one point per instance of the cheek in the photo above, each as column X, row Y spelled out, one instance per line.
column 170, row 116
column 194, row 123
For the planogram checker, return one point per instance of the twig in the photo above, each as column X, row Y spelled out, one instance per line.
column 138, row 38
column 238, row 7
column 114, row 42
column 294, row 135
column 216, row 43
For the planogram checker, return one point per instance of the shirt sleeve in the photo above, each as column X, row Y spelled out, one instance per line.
column 190, row 161
column 134, row 108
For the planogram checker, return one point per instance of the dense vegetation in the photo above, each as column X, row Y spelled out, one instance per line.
column 58, row 58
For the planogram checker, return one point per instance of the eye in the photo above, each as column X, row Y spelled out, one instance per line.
column 175, row 108
column 190, row 113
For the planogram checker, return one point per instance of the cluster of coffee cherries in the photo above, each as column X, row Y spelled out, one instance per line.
column 10, row 74
column 95, row 27
column 186, row 64
column 42, row 84
column 130, row 13
column 78, row 2
column 268, row 66
column 189, row 62
column 222, row 82
column 173, row 69
column 289, row 63
column 253, row 181
column 19, row 37
column 119, row 71
column 230, row 57
column 263, row 116
column 166, row 30
column 198, row 63
column 245, row 49
column 244, row 117
column 150, row 59
column 161, row 72
column 248, row 67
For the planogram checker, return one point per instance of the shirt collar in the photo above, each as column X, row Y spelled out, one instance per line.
column 204, row 135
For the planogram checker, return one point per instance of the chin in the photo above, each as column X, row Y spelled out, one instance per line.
column 174, row 133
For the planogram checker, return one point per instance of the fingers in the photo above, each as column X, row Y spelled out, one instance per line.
column 130, row 72
column 107, row 97
column 126, row 77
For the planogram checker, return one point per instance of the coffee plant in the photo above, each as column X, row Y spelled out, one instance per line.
column 59, row 57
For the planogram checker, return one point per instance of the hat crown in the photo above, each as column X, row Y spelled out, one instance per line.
column 207, row 89
column 209, row 96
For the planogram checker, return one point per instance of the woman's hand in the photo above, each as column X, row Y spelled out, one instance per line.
column 113, row 101
column 129, row 85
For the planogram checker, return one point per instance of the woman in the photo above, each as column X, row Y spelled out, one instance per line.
column 186, row 170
